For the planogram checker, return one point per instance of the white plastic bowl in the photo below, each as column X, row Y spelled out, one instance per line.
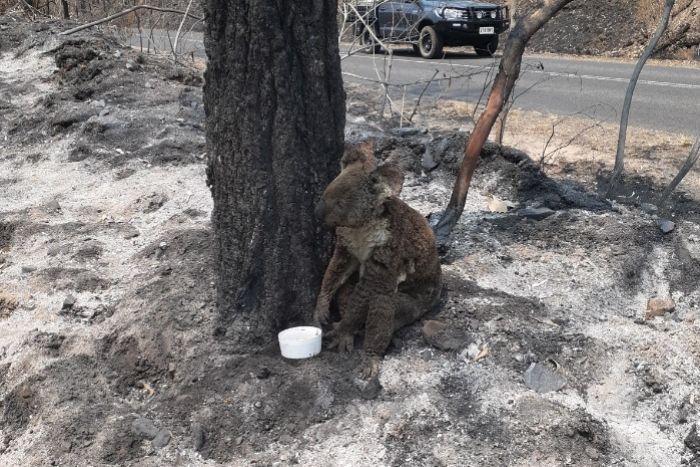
column 300, row 342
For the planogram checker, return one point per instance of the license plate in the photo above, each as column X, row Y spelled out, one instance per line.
column 486, row 31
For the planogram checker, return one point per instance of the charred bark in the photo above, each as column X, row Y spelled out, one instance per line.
column 275, row 115
column 508, row 73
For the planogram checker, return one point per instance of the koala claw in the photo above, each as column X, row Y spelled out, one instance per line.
column 321, row 314
column 344, row 342
column 370, row 367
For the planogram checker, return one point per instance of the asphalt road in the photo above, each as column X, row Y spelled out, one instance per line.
column 667, row 97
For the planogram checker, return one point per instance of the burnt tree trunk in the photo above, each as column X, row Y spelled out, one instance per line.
column 508, row 73
column 275, row 117
column 66, row 12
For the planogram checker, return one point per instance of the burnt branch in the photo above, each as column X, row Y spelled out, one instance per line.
column 126, row 12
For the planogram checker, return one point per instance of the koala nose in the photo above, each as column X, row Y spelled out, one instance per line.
column 320, row 210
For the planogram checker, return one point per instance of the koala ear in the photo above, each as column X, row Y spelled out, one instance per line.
column 386, row 181
column 391, row 176
column 361, row 154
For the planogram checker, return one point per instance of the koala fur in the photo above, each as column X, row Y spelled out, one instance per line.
column 385, row 270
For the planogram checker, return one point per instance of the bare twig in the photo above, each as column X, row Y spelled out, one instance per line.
column 126, row 12
column 425, row 88
column 690, row 161
column 596, row 124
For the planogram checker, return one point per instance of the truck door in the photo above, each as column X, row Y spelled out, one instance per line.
column 386, row 16
column 411, row 13
column 397, row 18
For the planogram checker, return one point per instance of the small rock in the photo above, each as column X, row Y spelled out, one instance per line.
column 257, row 404
column 692, row 441
column 542, row 379
column 263, row 373
column 144, row 428
column 25, row 392
column 163, row 245
column 428, row 162
column 442, row 337
column 104, row 112
column 473, row 351
column 28, row 269
column 68, row 303
column 592, row 453
column 131, row 66
column 648, row 208
column 397, row 344
column 535, row 213
column 239, row 440
column 666, row 226
column 406, row 131
column 162, row 439
column 52, row 207
column 659, row 307
column 199, row 437
column 371, row 389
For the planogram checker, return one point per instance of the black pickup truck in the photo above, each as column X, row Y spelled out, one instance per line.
column 429, row 25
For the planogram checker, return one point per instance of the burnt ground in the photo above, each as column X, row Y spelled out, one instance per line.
column 107, row 350
column 619, row 28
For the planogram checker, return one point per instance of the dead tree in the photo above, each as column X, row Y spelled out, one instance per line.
column 275, row 117
column 689, row 163
column 622, row 139
column 66, row 12
column 508, row 72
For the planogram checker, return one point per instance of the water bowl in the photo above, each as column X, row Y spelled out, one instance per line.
column 300, row 342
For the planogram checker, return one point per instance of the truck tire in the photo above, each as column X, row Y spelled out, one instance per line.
column 487, row 49
column 368, row 44
column 429, row 43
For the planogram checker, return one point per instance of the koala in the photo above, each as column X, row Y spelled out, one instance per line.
column 385, row 270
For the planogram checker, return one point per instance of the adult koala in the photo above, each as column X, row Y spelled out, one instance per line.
column 385, row 271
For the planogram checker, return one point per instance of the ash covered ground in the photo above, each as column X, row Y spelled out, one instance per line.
column 108, row 354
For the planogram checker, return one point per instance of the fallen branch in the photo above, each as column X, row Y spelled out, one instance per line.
column 622, row 139
column 126, row 12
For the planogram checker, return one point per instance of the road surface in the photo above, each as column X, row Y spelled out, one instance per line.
column 667, row 97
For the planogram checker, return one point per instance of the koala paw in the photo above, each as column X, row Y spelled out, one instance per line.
column 370, row 367
column 344, row 342
column 321, row 313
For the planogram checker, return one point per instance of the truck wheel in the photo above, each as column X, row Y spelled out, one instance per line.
column 429, row 42
column 487, row 49
column 368, row 44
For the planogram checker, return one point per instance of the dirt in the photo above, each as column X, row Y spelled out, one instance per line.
column 619, row 28
column 110, row 352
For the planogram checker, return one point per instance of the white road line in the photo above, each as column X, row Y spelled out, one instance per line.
column 555, row 74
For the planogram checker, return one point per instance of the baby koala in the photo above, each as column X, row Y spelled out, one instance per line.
column 385, row 270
